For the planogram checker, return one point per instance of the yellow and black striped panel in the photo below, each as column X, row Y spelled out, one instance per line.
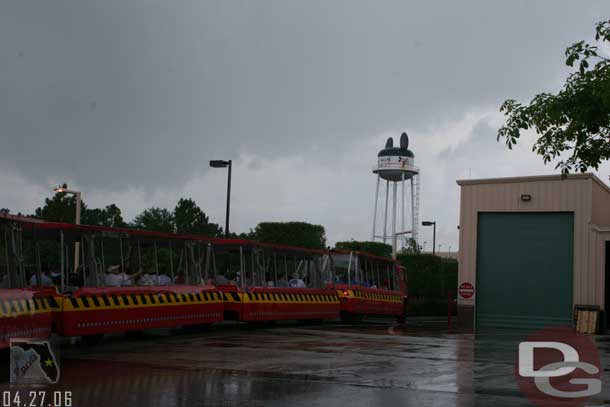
column 301, row 298
column 11, row 308
column 232, row 297
column 374, row 296
column 117, row 301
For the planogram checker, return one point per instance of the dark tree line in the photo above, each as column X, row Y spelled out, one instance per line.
column 186, row 217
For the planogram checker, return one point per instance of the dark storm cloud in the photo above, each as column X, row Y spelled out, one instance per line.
column 114, row 93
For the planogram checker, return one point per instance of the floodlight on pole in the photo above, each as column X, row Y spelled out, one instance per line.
column 431, row 223
column 77, row 194
column 223, row 164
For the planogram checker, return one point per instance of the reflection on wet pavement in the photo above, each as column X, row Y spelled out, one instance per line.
column 299, row 365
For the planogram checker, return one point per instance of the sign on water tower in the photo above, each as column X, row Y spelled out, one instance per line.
column 396, row 165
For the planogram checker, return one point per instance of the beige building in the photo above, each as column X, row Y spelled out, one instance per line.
column 531, row 248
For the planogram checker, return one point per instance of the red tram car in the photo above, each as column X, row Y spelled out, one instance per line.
column 120, row 280
column 25, row 312
column 265, row 282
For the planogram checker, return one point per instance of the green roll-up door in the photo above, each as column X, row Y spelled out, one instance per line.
column 524, row 270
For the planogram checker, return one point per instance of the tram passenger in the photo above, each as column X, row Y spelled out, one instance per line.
column 46, row 279
column 152, row 279
column 116, row 278
column 4, row 282
column 296, row 283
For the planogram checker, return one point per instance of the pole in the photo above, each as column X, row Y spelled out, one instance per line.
column 375, row 212
column 349, row 269
column 434, row 239
column 77, row 221
column 228, row 201
column 414, row 224
column 62, row 283
column 394, row 238
column 402, row 208
column 385, row 216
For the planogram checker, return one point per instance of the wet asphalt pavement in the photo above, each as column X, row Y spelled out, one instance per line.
column 365, row 364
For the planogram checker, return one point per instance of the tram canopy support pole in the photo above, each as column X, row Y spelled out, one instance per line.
column 171, row 261
column 6, row 258
column 121, row 254
column 349, row 269
column 378, row 277
column 38, row 262
column 274, row 269
column 286, row 267
column 62, row 271
column 156, row 263
column 102, row 249
column 241, row 267
column 208, row 254
column 139, row 257
column 387, row 269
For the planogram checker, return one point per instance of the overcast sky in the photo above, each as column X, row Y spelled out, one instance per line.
column 128, row 100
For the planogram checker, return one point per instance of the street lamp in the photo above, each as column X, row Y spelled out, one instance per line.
column 223, row 164
column 431, row 223
column 64, row 189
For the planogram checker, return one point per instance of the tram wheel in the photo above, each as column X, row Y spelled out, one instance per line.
column 90, row 340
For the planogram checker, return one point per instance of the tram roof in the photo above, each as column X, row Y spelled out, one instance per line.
column 39, row 224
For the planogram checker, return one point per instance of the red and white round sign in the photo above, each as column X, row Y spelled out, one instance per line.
column 466, row 290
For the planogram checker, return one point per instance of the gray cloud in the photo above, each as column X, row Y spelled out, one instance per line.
column 137, row 96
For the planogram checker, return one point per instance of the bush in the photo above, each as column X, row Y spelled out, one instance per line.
column 430, row 280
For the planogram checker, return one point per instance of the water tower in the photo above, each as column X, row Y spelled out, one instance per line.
column 396, row 165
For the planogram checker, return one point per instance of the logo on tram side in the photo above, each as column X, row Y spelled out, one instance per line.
column 558, row 367
column 33, row 361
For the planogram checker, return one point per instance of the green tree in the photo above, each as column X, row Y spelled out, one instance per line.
column 291, row 233
column 377, row 248
column 4, row 211
column 60, row 208
column 110, row 216
column 576, row 120
column 190, row 219
column 155, row 219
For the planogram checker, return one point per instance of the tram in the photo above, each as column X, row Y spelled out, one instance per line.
column 87, row 281
column 369, row 285
column 120, row 279
column 267, row 282
column 25, row 311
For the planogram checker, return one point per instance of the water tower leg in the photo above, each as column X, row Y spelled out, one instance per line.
column 375, row 212
column 414, row 210
column 402, row 209
column 394, row 219
column 385, row 216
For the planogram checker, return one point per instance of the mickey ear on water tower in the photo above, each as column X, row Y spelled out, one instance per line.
column 404, row 140
column 389, row 143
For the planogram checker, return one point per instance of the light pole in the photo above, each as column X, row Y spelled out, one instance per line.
column 431, row 223
column 64, row 189
column 223, row 164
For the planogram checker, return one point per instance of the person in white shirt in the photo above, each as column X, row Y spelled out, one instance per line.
column 115, row 278
column 151, row 279
column 296, row 283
